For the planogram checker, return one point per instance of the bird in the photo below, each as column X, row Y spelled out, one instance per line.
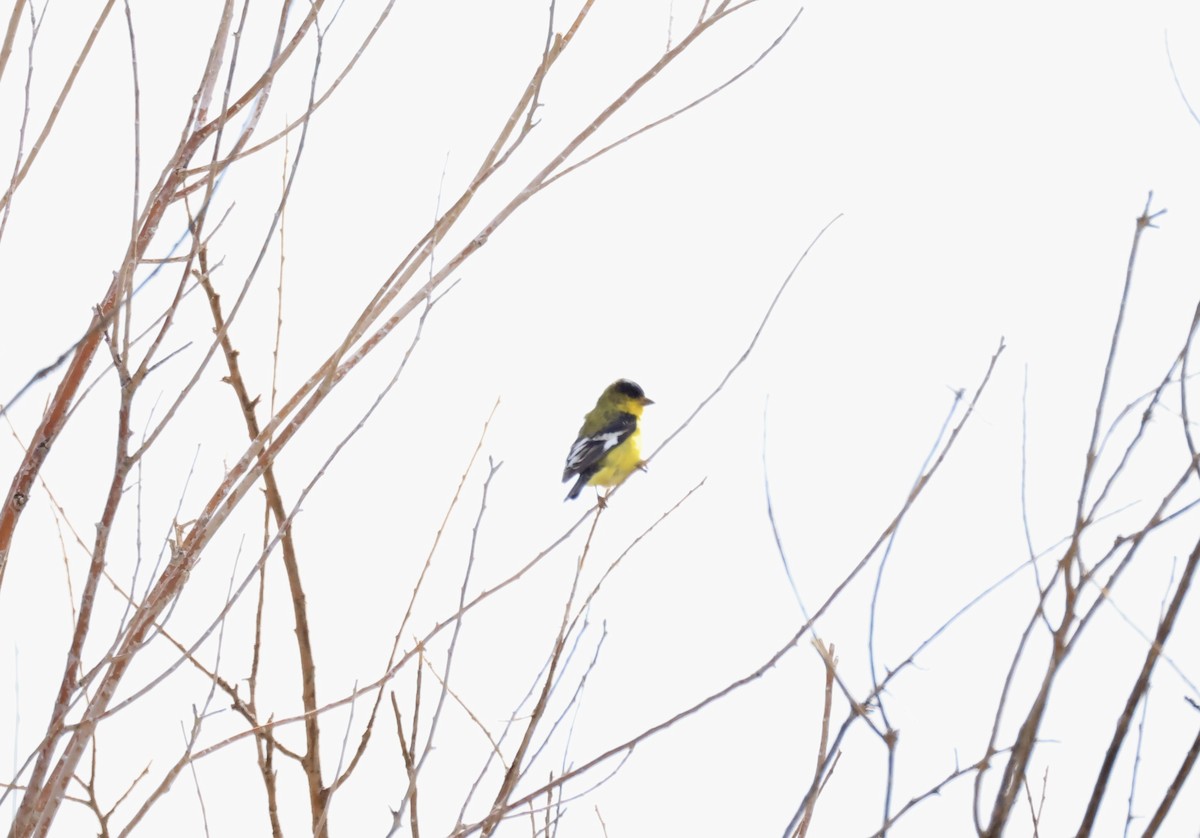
column 606, row 451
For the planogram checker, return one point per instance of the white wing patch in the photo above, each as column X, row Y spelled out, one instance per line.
column 585, row 447
column 589, row 451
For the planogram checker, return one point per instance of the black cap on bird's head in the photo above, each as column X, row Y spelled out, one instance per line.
column 630, row 390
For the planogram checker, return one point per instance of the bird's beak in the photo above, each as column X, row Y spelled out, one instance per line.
column 646, row 401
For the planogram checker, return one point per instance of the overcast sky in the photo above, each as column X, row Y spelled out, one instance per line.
column 985, row 166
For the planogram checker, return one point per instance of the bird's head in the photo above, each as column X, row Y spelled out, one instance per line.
column 629, row 394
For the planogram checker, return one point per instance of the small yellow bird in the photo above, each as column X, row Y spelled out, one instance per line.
column 606, row 451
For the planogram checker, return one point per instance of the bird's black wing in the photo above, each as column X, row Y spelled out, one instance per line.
column 589, row 450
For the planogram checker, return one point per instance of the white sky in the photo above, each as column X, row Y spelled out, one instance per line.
column 988, row 164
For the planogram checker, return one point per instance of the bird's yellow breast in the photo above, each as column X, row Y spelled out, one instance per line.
column 619, row 463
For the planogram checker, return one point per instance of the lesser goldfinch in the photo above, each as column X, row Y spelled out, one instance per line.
column 606, row 451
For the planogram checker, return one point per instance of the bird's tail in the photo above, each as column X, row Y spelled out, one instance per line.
column 577, row 488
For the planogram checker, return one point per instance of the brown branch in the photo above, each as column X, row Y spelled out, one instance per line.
column 10, row 34
column 829, row 658
column 55, row 416
column 679, row 111
column 410, row 768
column 1035, row 812
column 509, row 783
column 1181, row 776
column 35, row 25
column 933, row 791
column 311, row 758
column 41, row 800
column 1138, row 693
column 858, row 709
column 32, row 815
column 62, row 94
column 1017, row 763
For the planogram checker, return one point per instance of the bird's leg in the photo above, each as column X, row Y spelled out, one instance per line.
column 602, row 499
column 643, row 465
